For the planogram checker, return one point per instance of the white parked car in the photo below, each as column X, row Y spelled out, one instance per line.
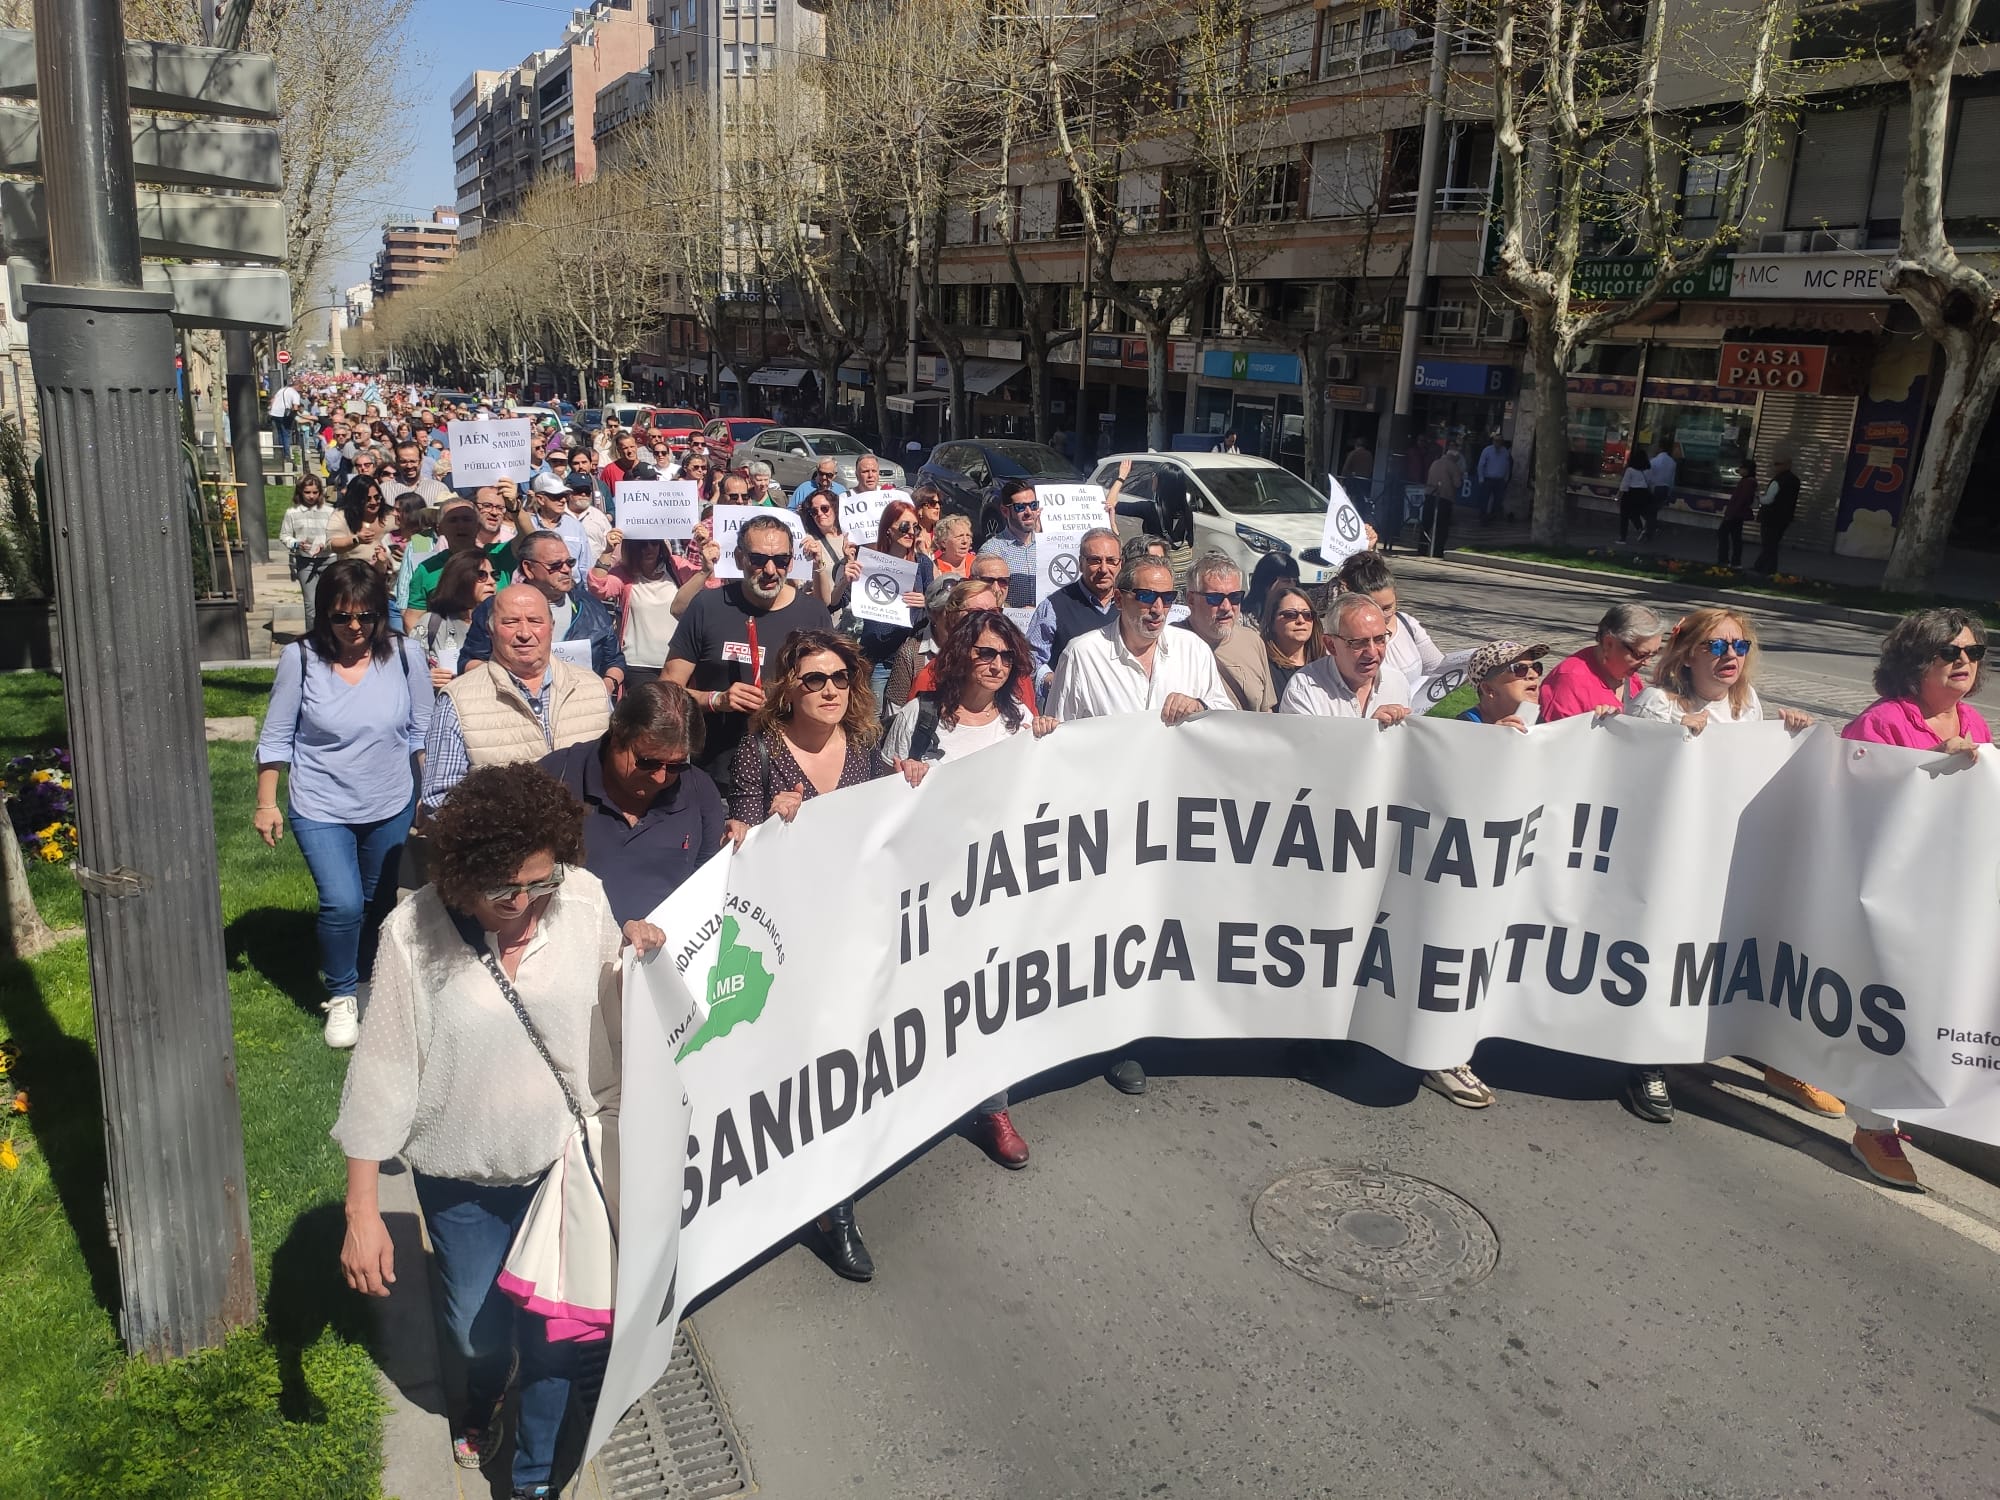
column 794, row 452
column 1245, row 507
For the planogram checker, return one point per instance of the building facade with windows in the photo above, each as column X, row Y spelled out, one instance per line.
column 413, row 249
column 466, row 101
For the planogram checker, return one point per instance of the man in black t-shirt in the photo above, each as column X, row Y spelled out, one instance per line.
column 711, row 655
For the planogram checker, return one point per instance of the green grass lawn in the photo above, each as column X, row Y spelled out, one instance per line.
column 288, row 1408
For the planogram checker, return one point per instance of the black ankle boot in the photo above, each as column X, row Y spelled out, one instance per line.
column 843, row 1244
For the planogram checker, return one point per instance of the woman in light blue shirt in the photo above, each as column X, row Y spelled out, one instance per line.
column 349, row 712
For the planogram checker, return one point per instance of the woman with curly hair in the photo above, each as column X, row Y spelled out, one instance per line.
column 815, row 734
column 449, row 1076
column 361, row 525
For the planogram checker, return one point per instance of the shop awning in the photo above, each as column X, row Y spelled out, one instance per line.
column 982, row 376
column 787, row 376
column 910, row 402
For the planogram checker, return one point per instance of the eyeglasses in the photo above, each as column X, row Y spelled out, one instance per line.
column 563, row 565
column 529, row 889
column 1719, row 647
column 1363, row 642
column 823, row 510
column 905, row 528
column 488, row 573
column 352, row 617
column 1639, row 658
column 1288, row 616
column 1944, row 653
column 1154, row 596
column 1025, row 504
column 1234, row 596
column 987, row 655
column 696, row 468
column 728, row 495
column 1516, row 669
column 647, row 765
column 819, row 682
column 757, row 561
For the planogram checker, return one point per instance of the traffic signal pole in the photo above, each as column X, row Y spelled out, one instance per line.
column 103, row 354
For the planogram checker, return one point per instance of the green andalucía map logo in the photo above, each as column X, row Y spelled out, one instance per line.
column 737, row 988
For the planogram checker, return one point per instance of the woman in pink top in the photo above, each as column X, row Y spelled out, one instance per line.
column 1931, row 661
column 1602, row 679
column 641, row 585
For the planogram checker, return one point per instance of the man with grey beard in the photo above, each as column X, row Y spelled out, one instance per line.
column 1215, row 613
column 712, row 655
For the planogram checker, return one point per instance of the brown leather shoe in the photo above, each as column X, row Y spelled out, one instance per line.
column 1002, row 1141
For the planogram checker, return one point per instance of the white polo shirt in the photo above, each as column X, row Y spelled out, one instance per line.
column 1098, row 675
column 1318, row 688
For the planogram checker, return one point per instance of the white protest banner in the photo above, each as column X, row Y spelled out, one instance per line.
column 576, row 653
column 1344, row 533
column 1618, row 890
column 1057, row 561
column 1426, row 693
column 665, row 508
column 861, row 512
column 1071, row 507
column 482, row 452
column 877, row 594
column 726, row 520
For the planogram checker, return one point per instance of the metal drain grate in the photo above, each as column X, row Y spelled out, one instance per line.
column 676, row 1442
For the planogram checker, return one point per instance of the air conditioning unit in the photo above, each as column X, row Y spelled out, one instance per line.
column 1340, row 367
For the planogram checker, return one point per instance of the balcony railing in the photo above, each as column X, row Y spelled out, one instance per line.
column 1465, row 200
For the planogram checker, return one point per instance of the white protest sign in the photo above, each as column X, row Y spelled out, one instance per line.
column 1617, row 890
column 576, row 653
column 1057, row 561
column 1426, row 693
column 1344, row 533
column 861, row 512
column 482, row 452
column 1071, row 507
column 726, row 520
column 665, row 508
column 877, row 594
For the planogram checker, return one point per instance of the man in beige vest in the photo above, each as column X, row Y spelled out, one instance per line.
column 520, row 705
column 1215, row 613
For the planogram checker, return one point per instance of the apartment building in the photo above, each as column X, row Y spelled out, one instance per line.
column 466, row 102
column 1787, row 346
column 413, row 249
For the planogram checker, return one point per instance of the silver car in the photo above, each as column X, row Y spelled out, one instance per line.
column 794, row 452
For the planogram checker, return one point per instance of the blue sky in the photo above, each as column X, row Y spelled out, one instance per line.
column 448, row 40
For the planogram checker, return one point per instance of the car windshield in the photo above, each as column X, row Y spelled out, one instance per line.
column 1261, row 491
column 1035, row 460
column 834, row 445
column 677, row 419
column 741, row 430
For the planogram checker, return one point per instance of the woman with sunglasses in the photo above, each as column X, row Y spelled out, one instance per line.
column 469, row 579
column 814, row 734
column 1704, row 676
column 490, row 1030
column 1292, row 636
column 350, row 707
column 897, row 536
column 361, row 527
column 635, row 576
column 1931, row 662
column 304, row 535
column 974, row 704
column 930, row 509
column 821, row 513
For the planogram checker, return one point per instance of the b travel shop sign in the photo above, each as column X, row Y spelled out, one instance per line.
column 1794, row 368
column 1810, row 277
column 1620, row 280
column 1455, row 378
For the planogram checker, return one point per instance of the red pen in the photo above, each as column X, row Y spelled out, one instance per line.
column 756, row 656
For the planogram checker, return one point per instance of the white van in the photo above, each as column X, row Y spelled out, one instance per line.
column 1245, row 507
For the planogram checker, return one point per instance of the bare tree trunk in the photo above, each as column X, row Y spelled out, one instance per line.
column 1156, row 385
column 1965, row 401
column 1550, row 508
column 26, row 933
column 1312, row 433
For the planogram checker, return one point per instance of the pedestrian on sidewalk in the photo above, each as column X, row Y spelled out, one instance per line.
column 1661, row 475
column 1742, row 502
column 303, row 535
column 350, row 707
column 1633, row 489
column 284, row 409
column 1780, row 509
column 505, row 970
column 1442, row 482
column 1496, row 469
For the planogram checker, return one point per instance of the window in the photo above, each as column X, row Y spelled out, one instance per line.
column 1705, row 187
column 1345, row 175
column 749, row 57
column 674, row 21
column 729, row 7
column 1279, row 49
column 729, row 57
column 1972, row 191
column 1139, row 200
column 1272, row 195
column 770, row 57
column 1356, row 40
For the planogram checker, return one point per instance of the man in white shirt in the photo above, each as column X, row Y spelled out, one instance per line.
column 1660, row 476
column 1135, row 664
column 285, row 404
column 1353, row 681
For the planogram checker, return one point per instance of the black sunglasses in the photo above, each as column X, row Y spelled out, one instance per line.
column 1025, row 504
column 756, row 561
column 1944, row 653
column 1234, row 596
column 1293, row 614
column 1155, row 596
column 988, row 654
column 352, row 617
column 652, row 767
column 567, row 564
column 818, row 682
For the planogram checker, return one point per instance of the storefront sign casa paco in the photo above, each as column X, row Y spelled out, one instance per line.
column 1797, row 369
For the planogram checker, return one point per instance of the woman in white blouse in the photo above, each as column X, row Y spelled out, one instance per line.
column 448, row 1077
column 1411, row 649
column 1704, row 676
column 633, row 575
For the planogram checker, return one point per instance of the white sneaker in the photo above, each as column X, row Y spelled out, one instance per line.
column 343, row 1022
column 1461, row 1086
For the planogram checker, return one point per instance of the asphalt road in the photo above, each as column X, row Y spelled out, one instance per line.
column 1723, row 1307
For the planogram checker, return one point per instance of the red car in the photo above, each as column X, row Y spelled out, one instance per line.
column 724, row 433
column 670, row 426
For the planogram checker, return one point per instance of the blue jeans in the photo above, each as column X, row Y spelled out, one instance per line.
column 878, row 684
column 471, row 1227
column 354, row 866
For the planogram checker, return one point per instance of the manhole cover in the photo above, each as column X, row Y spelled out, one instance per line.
column 676, row 1443
column 1377, row 1234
